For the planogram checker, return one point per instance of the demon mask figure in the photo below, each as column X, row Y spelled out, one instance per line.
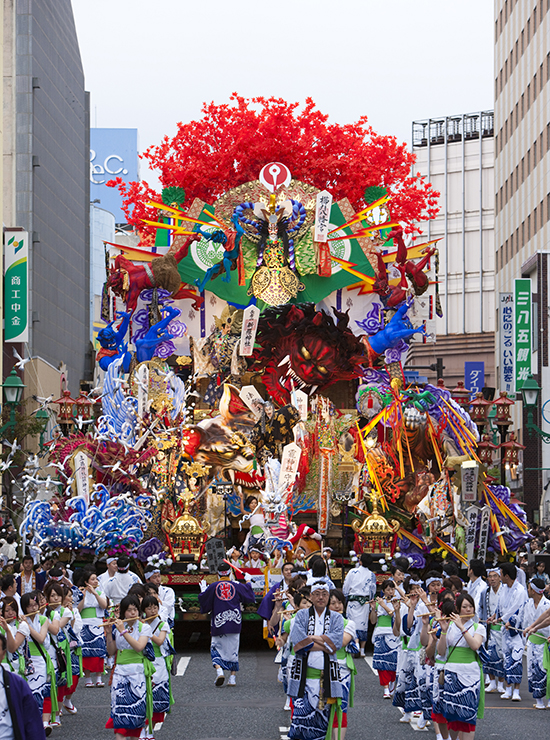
column 305, row 349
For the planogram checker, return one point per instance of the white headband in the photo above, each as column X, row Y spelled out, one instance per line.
column 493, row 570
column 320, row 585
column 536, row 589
column 412, row 582
column 110, row 560
column 152, row 572
column 428, row 581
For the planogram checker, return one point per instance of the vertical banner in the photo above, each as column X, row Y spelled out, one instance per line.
column 523, row 330
column 251, row 317
column 484, row 532
column 469, row 472
column 289, row 465
column 81, row 466
column 474, row 376
column 471, row 516
column 507, row 352
column 16, row 286
column 322, row 215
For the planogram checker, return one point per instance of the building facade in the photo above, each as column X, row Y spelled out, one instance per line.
column 456, row 154
column 522, row 208
column 46, row 177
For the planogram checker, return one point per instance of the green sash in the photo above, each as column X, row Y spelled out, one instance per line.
column 467, row 655
column 496, row 627
column 384, row 621
column 537, row 639
column 89, row 613
column 129, row 657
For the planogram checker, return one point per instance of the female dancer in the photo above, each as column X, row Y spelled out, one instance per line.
column 73, row 633
column 386, row 644
column 462, row 699
column 58, row 618
column 348, row 670
column 41, row 673
column 9, row 622
column 91, row 609
column 131, row 690
column 163, row 652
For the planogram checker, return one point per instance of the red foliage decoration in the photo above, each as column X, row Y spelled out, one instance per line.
column 230, row 144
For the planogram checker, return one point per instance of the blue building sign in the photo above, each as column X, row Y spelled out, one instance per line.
column 113, row 153
column 474, row 376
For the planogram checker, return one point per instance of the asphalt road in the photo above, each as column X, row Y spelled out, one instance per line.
column 253, row 710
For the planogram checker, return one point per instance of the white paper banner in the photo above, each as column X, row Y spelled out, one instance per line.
column 250, row 327
column 469, row 472
column 322, row 215
column 289, row 465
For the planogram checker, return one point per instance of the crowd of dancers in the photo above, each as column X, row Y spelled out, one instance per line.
column 58, row 627
column 439, row 644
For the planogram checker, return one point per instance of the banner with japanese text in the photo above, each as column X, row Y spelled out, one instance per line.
column 507, row 353
column 523, row 329
column 16, row 286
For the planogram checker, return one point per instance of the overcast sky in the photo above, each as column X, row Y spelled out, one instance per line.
column 150, row 65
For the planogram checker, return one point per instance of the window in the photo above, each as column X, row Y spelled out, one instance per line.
column 522, row 41
column 534, row 155
column 522, row 170
column 522, row 105
column 528, row 96
column 541, row 77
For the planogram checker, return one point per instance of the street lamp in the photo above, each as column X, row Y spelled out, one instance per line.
column 530, row 392
column 479, row 411
column 43, row 417
column 13, row 391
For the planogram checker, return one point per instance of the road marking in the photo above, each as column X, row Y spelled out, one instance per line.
column 283, row 733
column 368, row 661
column 182, row 665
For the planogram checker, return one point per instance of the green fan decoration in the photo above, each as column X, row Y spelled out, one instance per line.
column 372, row 193
column 173, row 196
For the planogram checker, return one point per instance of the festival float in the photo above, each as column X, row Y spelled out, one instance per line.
column 251, row 390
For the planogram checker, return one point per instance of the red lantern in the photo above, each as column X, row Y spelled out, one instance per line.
column 479, row 409
column 502, row 406
column 83, row 407
column 65, row 413
column 485, row 450
column 510, row 450
column 461, row 395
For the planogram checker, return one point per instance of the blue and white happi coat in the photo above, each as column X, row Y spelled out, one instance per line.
column 511, row 603
column 460, row 697
column 410, row 685
column 491, row 654
column 129, row 687
column 309, row 722
column 386, row 645
column 536, row 672
column 359, row 588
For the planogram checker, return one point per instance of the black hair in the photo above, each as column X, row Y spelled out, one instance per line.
column 151, row 587
column 9, row 601
column 447, row 607
column 433, row 574
column 338, row 594
column 53, row 586
column 401, row 564
column 477, row 567
column 450, row 568
column 302, row 594
column 366, row 560
column 509, row 569
column 283, row 566
column 27, row 557
column 123, row 562
column 249, row 500
column 461, row 598
column 138, row 590
column 319, row 568
column 7, row 582
column 444, row 595
column 26, row 599
column 538, row 582
column 55, row 572
column 149, row 600
column 11, row 538
column 386, row 584
column 3, row 642
column 80, row 577
column 127, row 602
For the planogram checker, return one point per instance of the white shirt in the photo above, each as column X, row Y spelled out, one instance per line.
column 360, row 581
column 104, row 579
column 118, row 586
column 6, row 725
column 26, row 586
column 168, row 598
column 477, row 589
column 493, row 600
